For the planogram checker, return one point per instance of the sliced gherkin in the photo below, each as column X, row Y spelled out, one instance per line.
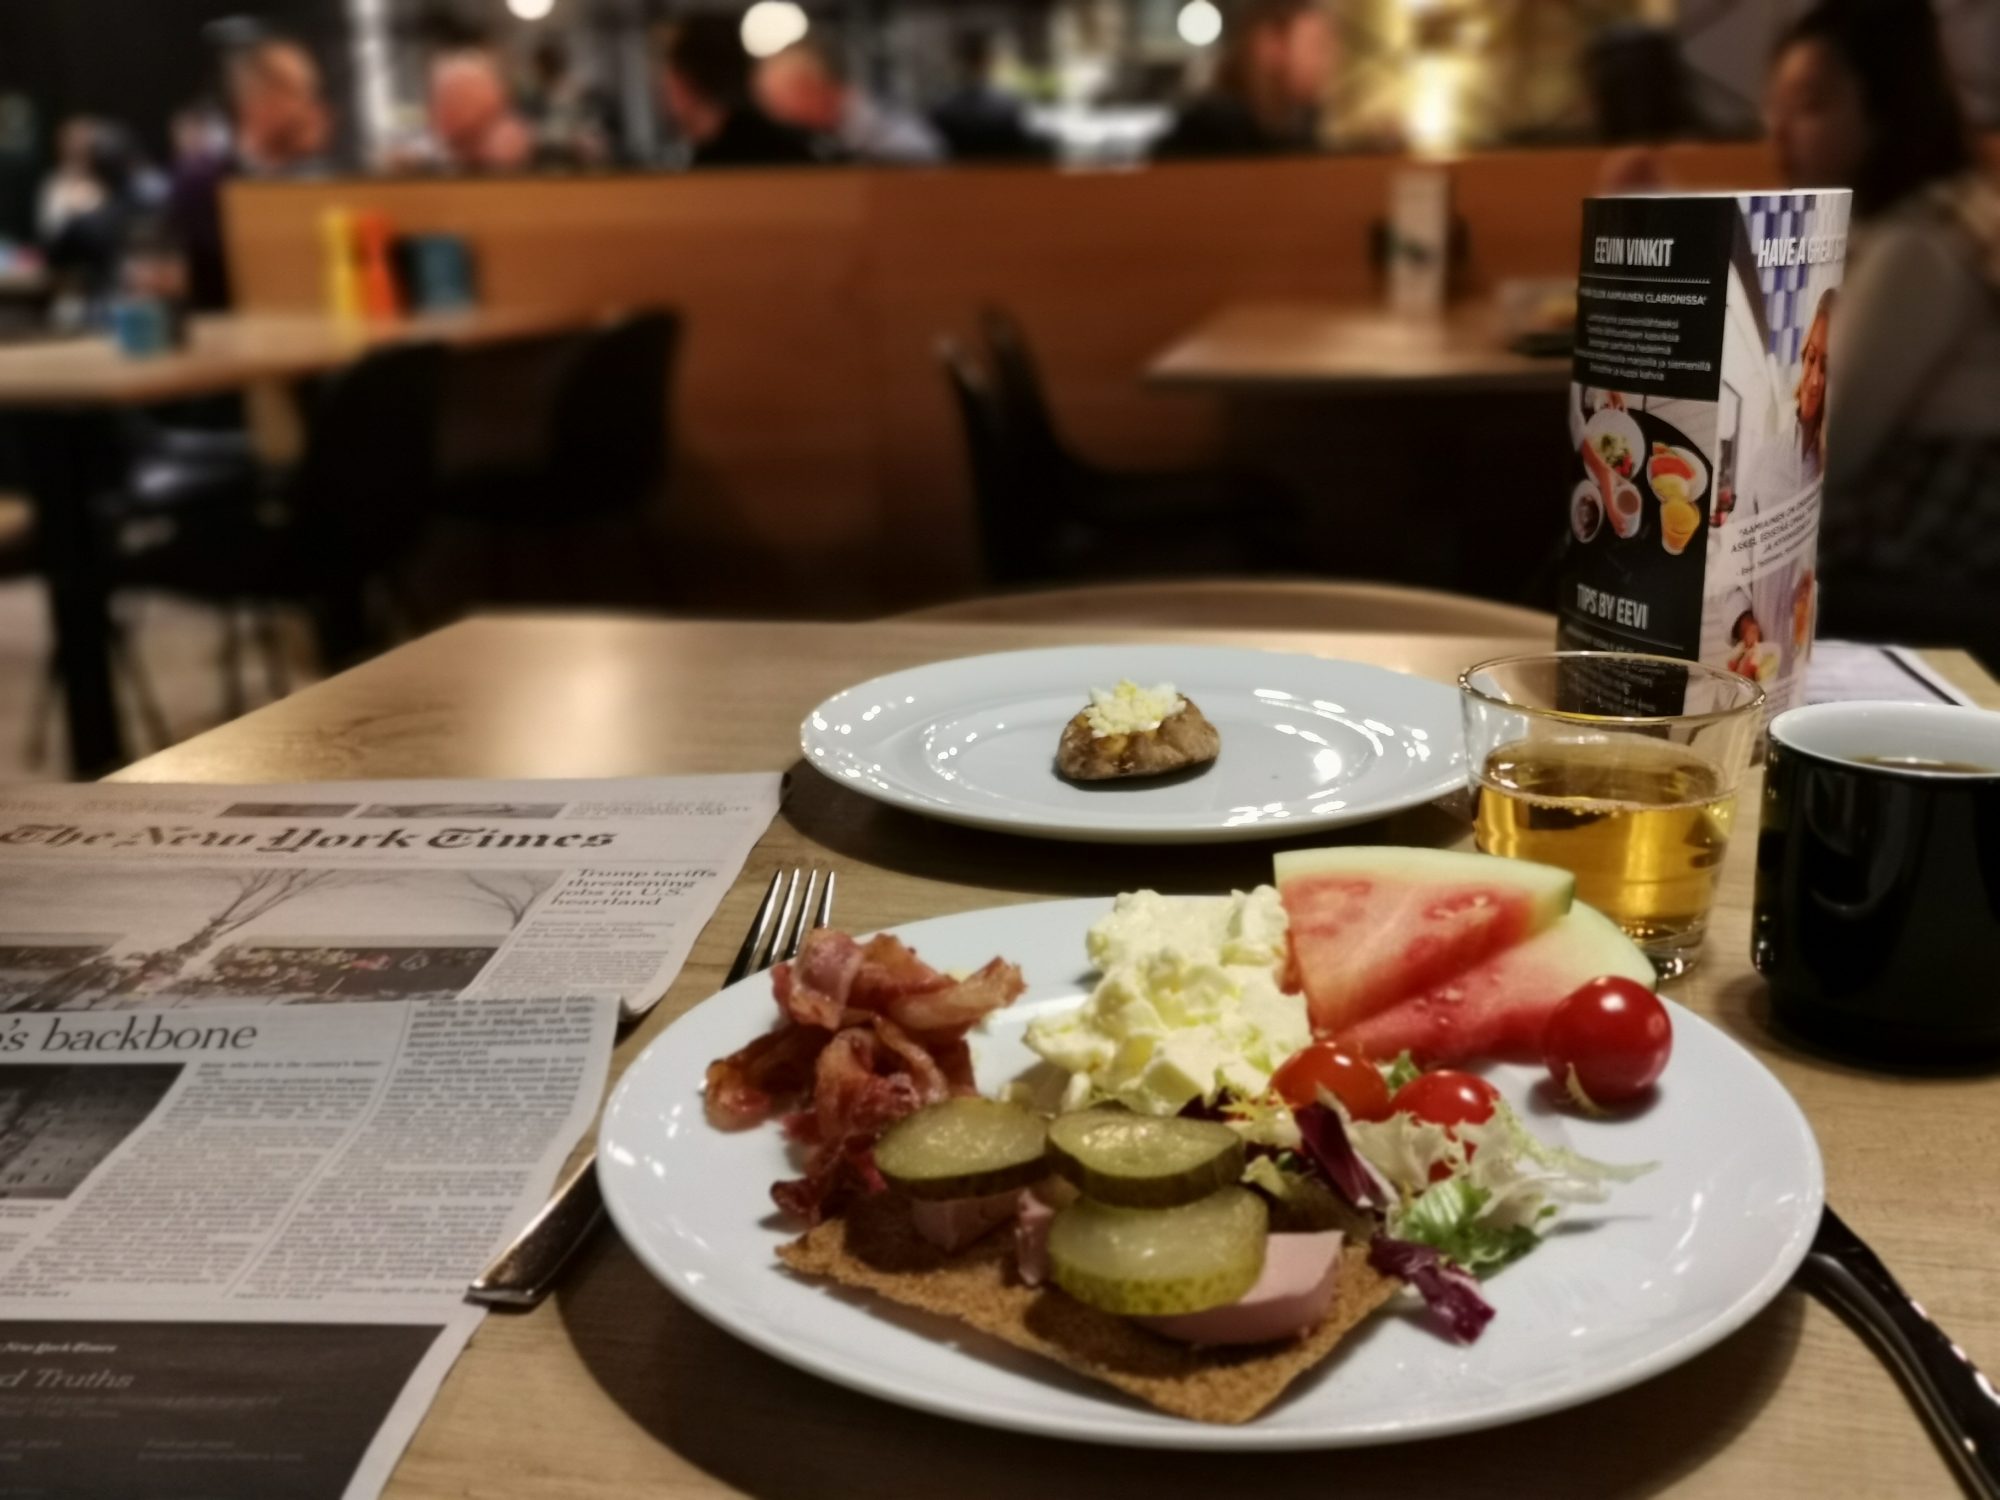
column 1143, row 1161
column 1159, row 1262
column 963, row 1148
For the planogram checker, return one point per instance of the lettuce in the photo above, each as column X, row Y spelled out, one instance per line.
column 1264, row 1121
column 1452, row 1296
column 1447, row 1217
column 1504, row 1186
column 1401, row 1071
column 1323, row 1133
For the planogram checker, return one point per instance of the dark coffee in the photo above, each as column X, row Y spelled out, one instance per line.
column 1878, row 894
column 1919, row 763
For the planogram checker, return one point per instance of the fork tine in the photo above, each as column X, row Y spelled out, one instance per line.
column 758, row 935
column 797, row 936
column 824, row 914
column 781, row 930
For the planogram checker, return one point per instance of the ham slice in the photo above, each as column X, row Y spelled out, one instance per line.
column 1301, row 1274
column 957, row 1222
column 1031, row 1239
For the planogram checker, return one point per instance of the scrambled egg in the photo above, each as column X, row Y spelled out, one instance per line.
column 1131, row 709
column 1189, row 1004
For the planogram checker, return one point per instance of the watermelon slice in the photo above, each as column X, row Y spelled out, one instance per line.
column 1372, row 926
column 1498, row 1011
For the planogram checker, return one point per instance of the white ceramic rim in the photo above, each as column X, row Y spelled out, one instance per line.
column 1935, row 731
column 1449, row 780
column 857, row 1373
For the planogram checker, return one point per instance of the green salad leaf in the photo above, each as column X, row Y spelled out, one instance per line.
column 1446, row 1216
column 1401, row 1071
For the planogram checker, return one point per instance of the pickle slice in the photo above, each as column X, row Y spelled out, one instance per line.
column 1157, row 1262
column 963, row 1148
column 1143, row 1161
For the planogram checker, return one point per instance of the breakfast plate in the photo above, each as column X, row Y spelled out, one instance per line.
column 1307, row 743
column 1676, row 1262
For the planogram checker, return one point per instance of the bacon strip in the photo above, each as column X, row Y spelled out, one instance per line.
column 744, row 1088
column 870, row 1034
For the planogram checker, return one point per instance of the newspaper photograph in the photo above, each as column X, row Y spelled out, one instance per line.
column 234, row 1242
column 120, row 897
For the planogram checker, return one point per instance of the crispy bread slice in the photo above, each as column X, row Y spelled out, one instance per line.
column 876, row 1247
column 1185, row 738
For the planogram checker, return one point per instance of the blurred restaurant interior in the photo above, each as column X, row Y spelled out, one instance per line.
column 838, row 310
column 1401, row 596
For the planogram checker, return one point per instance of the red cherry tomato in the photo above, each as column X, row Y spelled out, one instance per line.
column 1348, row 1076
column 1608, row 1041
column 1447, row 1097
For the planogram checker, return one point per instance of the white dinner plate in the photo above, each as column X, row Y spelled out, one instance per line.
column 1307, row 743
column 1672, row 1264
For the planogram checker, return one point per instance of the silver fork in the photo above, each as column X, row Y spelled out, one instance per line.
column 520, row 1276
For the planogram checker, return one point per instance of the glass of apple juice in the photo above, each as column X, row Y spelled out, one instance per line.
column 1622, row 769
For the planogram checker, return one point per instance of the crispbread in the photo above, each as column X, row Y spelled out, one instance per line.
column 877, row 1248
column 1183, row 739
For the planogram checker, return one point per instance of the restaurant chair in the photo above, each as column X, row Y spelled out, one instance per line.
column 19, row 560
column 1229, row 500
column 330, row 534
column 1033, row 528
column 600, row 457
column 1249, row 604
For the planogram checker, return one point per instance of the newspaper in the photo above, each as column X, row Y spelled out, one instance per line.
column 1844, row 672
column 280, row 1068
column 234, row 1242
column 121, row 897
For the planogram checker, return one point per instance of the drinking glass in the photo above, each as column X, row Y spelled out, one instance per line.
column 1623, row 770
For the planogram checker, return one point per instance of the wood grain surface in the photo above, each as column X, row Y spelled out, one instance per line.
column 231, row 351
column 816, row 441
column 1326, row 349
column 613, row 1390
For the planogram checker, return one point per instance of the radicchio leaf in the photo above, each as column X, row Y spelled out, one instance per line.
column 1324, row 1139
column 1450, row 1293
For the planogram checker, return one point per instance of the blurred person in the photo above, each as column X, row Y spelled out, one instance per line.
column 473, row 122
column 1861, row 96
column 87, row 250
column 572, row 120
column 978, row 119
column 72, row 187
column 705, row 85
column 806, row 87
column 1267, row 95
column 280, row 127
column 199, row 134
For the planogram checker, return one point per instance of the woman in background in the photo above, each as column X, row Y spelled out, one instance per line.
column 1861, row 96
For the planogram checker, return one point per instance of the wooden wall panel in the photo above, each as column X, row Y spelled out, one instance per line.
column 818, row 447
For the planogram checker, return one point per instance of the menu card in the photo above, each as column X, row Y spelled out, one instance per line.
column 1698, row 416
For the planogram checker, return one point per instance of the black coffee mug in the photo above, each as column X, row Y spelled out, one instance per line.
column 1878, row 880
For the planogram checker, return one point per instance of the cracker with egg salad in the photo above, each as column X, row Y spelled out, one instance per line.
column 1132, row 731
column 877, row 1249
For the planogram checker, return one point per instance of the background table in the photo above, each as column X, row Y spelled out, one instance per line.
column 1316, row 348
column 613, row 1390
column 62, row 389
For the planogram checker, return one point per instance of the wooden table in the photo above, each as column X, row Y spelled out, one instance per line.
column 1317, row 348
column 61, row 391
column 613, row 1390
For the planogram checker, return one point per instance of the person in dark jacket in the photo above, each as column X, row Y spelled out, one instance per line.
column 979, row 120
column 1267, row 92
column 705, row 80
column 281, row 128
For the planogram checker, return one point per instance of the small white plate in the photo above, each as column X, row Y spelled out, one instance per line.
column 1612, row 422
column 1307, row 743
column 1671, row 1265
